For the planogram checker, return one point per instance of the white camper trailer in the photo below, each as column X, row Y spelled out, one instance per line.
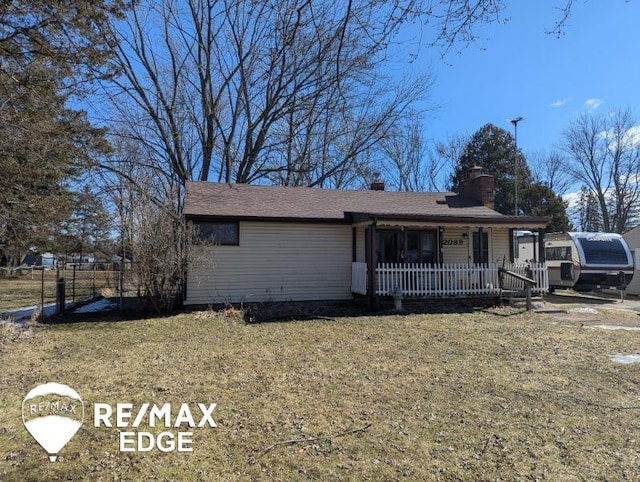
column 586, row 261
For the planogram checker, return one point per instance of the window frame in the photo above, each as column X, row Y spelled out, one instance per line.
column 235, row 225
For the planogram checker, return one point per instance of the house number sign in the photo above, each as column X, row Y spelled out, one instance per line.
column 454, row 241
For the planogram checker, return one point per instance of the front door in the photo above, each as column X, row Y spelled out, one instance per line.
column 480, row 247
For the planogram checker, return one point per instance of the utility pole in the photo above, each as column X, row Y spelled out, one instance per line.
column 515, row 163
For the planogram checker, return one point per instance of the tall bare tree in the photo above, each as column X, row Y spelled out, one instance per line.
column 404, row 151
column 548, row 168
column 603, row 154
column 236, row 91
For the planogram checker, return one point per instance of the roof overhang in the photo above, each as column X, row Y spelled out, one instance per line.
column 265, row 219
column 366, row 219
column 515, row 222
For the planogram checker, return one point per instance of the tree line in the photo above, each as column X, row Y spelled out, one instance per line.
column 290, row 93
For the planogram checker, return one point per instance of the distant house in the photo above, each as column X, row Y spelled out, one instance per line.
column 632, row 237
column 38, row 261
column 295, row 244
column 84, row 261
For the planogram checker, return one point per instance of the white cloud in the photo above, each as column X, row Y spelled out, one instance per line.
column 592, row 103
column 633, row 136
column 572, row 199
column 558, row 103
column 630, row 139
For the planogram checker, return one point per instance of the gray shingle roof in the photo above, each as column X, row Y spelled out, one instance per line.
column 246, row 201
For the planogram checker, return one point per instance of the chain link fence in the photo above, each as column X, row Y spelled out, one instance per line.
column 39, row 287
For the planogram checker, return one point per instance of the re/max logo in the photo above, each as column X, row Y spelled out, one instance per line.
column 165, row 416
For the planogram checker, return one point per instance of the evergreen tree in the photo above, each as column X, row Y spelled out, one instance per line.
column 494, row 149
column 48, row 53
column 69, row 35
column 43, row 146
column 540, row 200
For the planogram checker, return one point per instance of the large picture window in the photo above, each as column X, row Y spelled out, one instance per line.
column 408, row 246
column 225, row 234
column 421, row 247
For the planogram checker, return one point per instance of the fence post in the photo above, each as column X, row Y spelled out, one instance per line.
column 73, row 285
column 42, row 291
column 60, row 288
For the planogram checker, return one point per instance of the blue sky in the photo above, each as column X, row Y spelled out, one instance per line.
column 517, row 69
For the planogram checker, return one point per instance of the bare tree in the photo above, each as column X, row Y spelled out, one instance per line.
column 444, row 157
column 550, row 169
column 403, row 150
column 152, row 232
column 236, row 91
column 603, row 154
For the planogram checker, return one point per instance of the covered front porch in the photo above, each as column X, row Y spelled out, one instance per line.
column 424, row 260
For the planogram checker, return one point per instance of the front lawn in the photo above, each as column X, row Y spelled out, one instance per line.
column 476, row 396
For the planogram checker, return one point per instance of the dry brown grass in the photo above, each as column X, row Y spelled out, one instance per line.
column 423, row 397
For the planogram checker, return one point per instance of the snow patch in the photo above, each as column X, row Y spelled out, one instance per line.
column 103, row 304
column 614, row 327
column 591, row 311
column 626, row 359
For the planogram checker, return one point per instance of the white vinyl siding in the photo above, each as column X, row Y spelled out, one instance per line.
column 457, row 249
column 274, row 262
column 463, row 253
column 499, row 243
column 632, row 238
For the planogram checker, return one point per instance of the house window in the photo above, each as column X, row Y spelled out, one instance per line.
column 390, row 246
column 421, row 247
column 225, row 234
column 396, row 246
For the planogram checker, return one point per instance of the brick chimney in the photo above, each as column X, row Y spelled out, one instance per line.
column 377, row 184
column 479, row 186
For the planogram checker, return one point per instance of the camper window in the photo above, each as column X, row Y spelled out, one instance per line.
column 558, row 253
column 603, row 251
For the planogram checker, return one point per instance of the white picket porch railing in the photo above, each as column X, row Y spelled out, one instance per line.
column 535, row 271
column 453, row 279
column 437, row 280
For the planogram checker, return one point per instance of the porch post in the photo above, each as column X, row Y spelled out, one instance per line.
column 354, row 244
column 440, row 245
column 541, row 256
column 512, row 245
column 480, row 252
column 371, row 265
